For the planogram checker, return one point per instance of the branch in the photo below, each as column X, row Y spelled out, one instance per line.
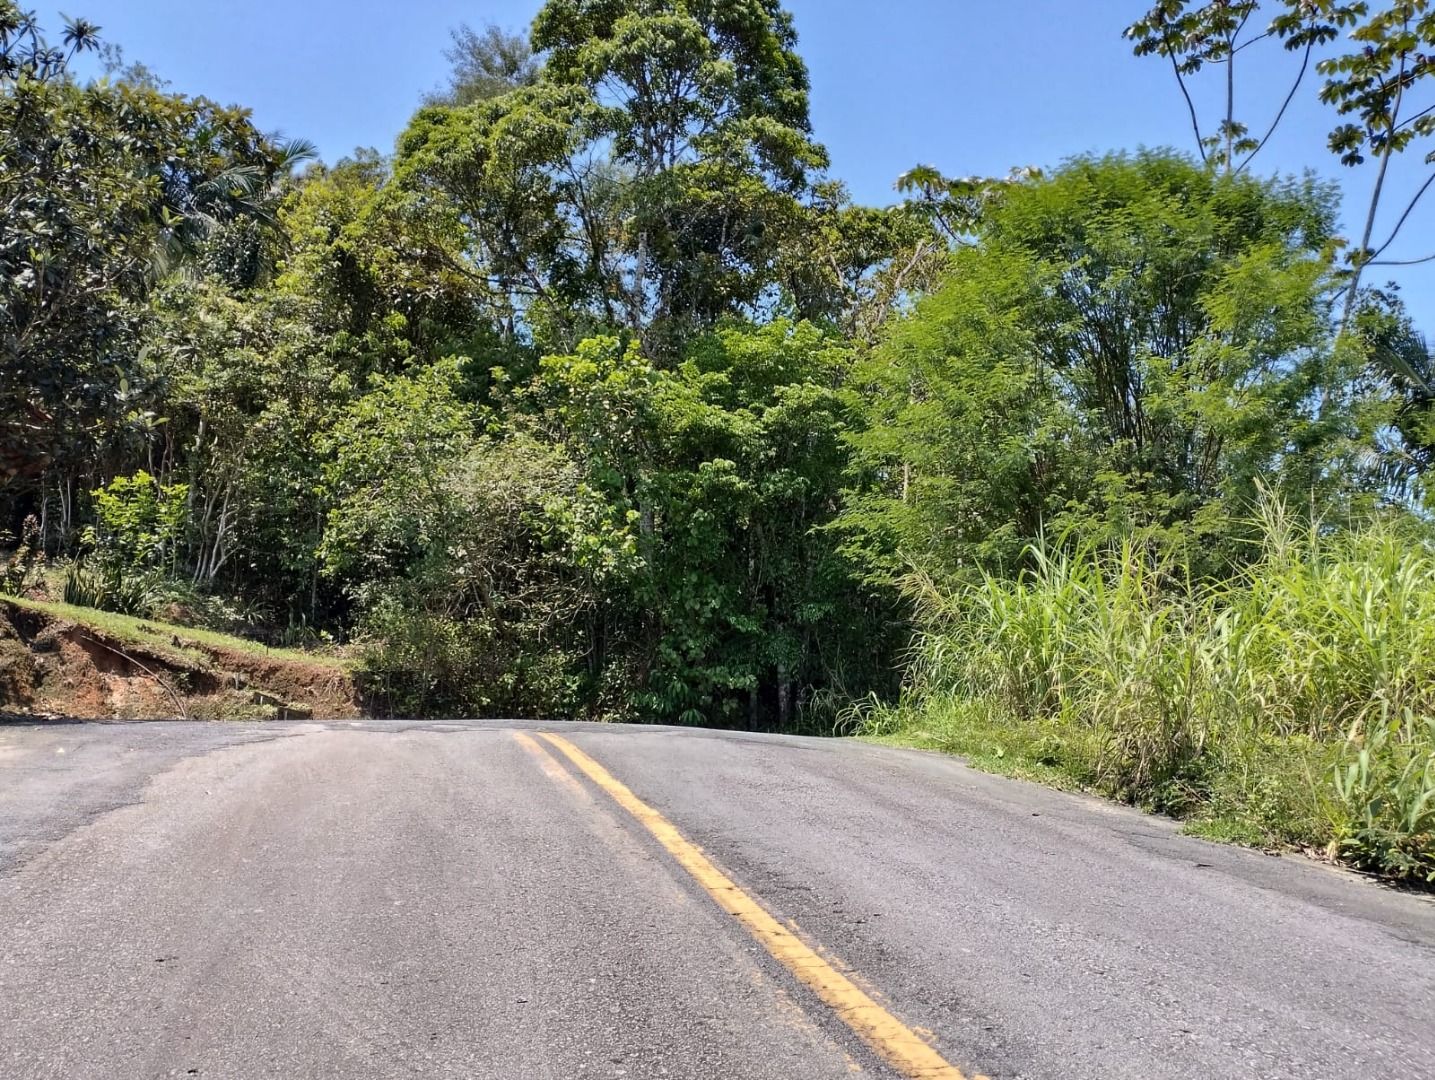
column 1401, row 223
column 1401, row 262
column 1190, row 105
column 1304, row 67
column 1411, row 119
column 1252, row 41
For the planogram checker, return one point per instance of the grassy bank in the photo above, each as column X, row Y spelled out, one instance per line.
column 59, row 660
column 1293, row 705
column 183, row 641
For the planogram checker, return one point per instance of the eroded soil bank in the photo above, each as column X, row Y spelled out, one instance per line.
column 53, row 666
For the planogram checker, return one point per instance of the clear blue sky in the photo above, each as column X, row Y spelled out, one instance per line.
column 971, row 86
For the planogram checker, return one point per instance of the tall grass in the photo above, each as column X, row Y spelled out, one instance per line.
column 1294, row 703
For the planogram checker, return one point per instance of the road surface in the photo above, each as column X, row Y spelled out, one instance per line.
column 479, row 900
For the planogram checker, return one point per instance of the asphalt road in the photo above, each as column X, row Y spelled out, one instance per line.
column 472, row 900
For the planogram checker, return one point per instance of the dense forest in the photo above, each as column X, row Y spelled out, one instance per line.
column 598, row 397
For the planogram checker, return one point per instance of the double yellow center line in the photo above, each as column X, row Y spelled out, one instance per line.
column 892, row 1040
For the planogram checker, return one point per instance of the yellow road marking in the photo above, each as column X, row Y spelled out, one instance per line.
column 551, row 768
column 892, row 1040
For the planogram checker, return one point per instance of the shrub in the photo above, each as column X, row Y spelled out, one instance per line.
column 139, row 522
column 424, row 664
column 110, row 586
column 1388, row 790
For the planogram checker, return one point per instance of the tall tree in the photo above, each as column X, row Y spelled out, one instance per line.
column 486, row 64
column 1129, row 344
column 505, row 197
column 101, row 187
column 705, row 107
column 659, row 177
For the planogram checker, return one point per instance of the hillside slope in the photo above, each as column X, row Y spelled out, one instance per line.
column 57, row 660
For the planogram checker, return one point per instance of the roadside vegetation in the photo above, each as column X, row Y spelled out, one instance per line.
column 598, row 397
column 1292, row 703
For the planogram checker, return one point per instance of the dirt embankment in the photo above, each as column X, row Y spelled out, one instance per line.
column 51, row 666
